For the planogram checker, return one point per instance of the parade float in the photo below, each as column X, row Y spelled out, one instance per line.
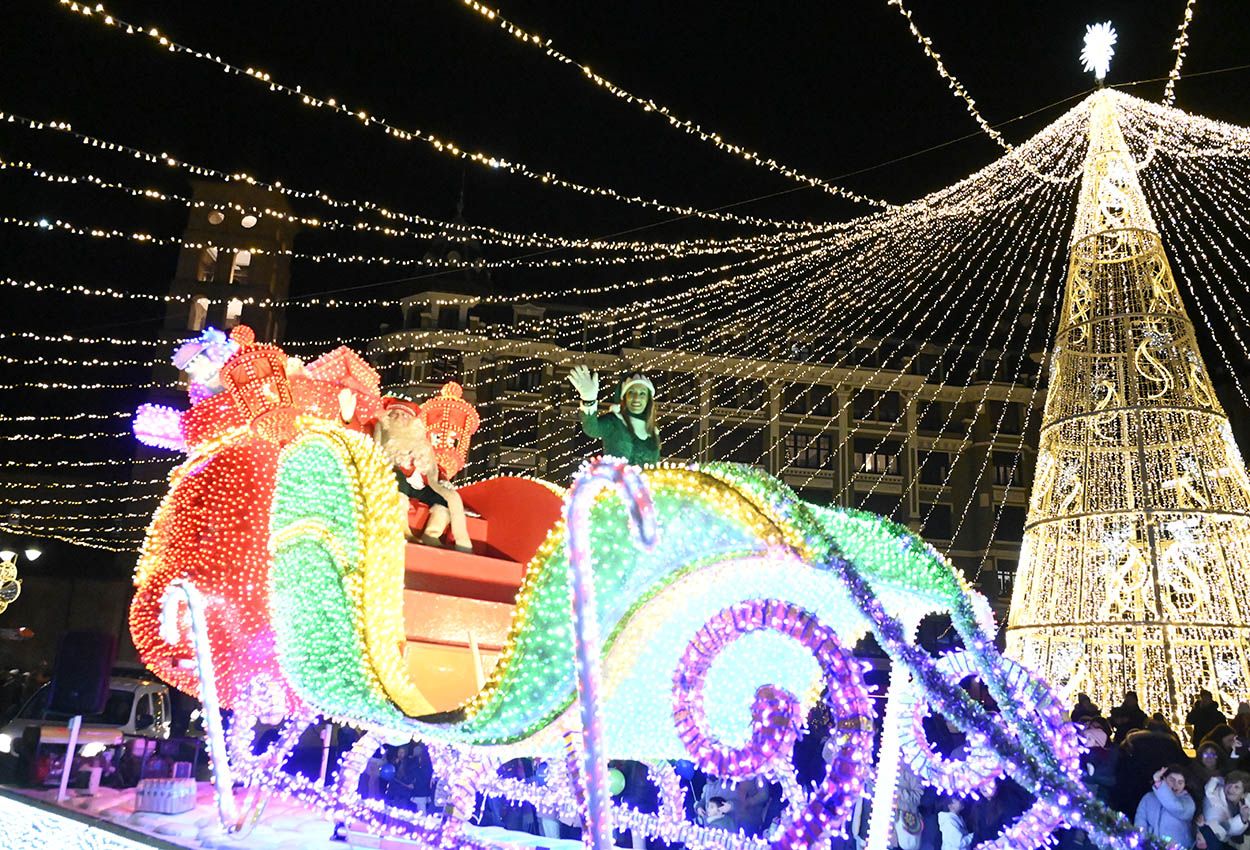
column 674, row 612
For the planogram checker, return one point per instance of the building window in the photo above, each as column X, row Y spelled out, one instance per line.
column 526, row 313
column 865, row 357
column 740, row 445
column 1013, row 421
column 934, row 467
column 442, row 365
column 520, row 428
column 809, row 451
column 1006, row 572
column 240, row 267
column 863, row 405
column 873, row 406
column 676, row 387
column 814, row 496
column 937, row 521
column 234, row 312
column 807, row 401
column 739, row 393
column 874, row 459
column 198, row 317
column 448, row 317
column 206, row 268
column 1011, row 523
column 932, row 416
column 876, row 463
column 929, row 365
column 524, row 376
column 883, row 504
column 1006, row 469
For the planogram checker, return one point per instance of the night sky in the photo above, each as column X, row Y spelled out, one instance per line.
column 832, row 89
column 838, row 90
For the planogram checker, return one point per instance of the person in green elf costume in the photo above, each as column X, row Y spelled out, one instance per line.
column 628, row 428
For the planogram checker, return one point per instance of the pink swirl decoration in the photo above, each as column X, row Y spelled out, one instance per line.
column 775, row 714
column 977, row 774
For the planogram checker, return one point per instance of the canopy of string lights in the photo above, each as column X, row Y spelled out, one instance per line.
column 951, row 299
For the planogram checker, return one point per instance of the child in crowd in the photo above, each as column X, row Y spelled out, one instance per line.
column 955, row 833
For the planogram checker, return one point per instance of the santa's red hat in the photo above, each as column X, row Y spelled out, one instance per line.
column 408, row 406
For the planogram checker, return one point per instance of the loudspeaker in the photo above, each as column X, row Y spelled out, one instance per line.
column 80, row 676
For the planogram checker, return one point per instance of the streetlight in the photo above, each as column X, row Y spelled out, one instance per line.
column 10, row 584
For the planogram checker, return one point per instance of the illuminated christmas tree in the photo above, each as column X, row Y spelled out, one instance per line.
column 1133, row 572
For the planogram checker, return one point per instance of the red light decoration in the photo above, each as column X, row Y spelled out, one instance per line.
column 343, row 368
column 213, row 529
column 255, row 378
column 450, row 421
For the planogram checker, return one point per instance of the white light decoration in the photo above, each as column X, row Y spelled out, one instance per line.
column 1131, row 571
column 1098, row 50
column 444, row 146
column 1178, row 47
column 956, row 87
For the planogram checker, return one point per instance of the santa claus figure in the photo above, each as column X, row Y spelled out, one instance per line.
column 401, row 432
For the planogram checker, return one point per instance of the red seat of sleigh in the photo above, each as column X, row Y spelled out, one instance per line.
column 458, row 606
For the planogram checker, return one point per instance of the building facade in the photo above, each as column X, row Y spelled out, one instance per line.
column 955, row 459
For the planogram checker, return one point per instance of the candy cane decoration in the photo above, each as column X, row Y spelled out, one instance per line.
column 593, row 477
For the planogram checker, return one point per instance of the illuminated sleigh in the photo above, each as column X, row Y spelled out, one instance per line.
column 700, row 616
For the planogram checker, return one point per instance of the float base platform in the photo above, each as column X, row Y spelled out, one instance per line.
column 33, row 820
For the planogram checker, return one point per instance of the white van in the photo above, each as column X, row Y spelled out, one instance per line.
column 135, row 706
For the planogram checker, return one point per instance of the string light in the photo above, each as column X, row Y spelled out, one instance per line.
column 77, row 463
column 73, row 417
column 68, row 361
column 682, row 248
column 443, row 146
column 90, row 435
column 1076, row 111
column 905, row 319
column 100, row 501
column 650, row 106
column 64, row 485
column 1005, row 262
column 146, row 515
column 78, row 540
column 952, row 83
column 479, row 232
column 66, row 385
column 1178, row 47
column 333, row 303
column 69, row 227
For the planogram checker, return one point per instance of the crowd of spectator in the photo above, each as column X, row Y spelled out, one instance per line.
column 1134, row 762
column 1139, row 766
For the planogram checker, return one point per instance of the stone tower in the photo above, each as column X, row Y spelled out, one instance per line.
column 236, row 239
